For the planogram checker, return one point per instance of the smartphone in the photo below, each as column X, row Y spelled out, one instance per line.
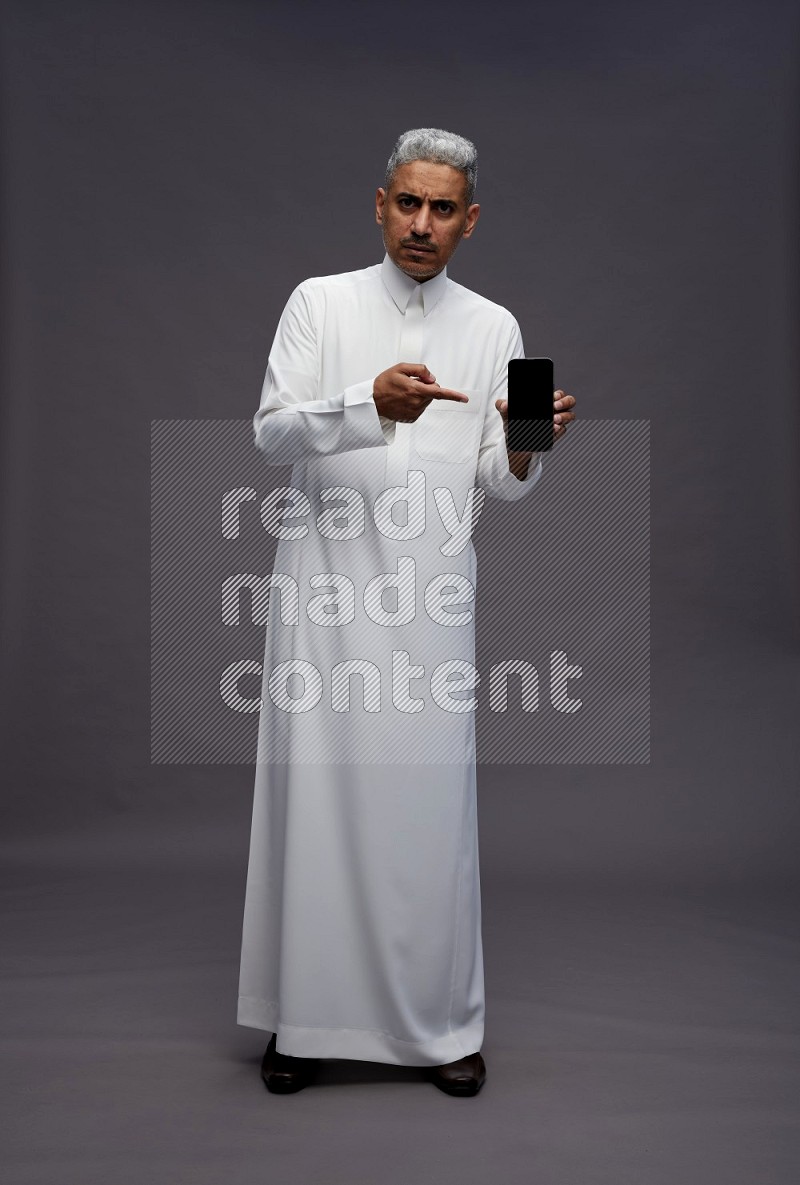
column 530, row 405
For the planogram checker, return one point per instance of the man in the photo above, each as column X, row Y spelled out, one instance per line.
column 361, row 935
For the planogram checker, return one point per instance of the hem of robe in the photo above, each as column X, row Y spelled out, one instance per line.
column 363, row 1045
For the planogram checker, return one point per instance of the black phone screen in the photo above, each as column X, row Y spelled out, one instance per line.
column 530, row 405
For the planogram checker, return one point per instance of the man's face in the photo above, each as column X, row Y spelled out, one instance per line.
column 424, row 217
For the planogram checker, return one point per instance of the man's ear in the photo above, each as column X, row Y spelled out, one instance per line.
column 379, row 200
column 472, row 217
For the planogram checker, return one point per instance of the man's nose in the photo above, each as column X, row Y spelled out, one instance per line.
column 422, row 220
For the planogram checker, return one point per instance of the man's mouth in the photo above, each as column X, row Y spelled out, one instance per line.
column 412, row 247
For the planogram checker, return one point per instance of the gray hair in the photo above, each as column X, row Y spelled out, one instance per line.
column 439, row 147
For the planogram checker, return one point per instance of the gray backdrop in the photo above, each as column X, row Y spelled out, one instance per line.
column 171, row 171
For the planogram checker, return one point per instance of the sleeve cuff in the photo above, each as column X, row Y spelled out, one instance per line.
column 388, row 427
column 509, row 487
column 371, row 428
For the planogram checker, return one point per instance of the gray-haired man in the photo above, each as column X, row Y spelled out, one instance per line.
column 385, row 385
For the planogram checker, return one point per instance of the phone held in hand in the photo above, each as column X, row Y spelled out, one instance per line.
column 530, row 405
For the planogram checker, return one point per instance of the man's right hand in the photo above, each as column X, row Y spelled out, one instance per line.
column 404, row 391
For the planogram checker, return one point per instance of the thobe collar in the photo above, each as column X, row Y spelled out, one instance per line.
column 400, row 286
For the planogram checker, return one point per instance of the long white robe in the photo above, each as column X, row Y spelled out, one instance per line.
column 362, row 923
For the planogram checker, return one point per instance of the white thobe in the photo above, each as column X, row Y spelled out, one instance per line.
column 362, row 924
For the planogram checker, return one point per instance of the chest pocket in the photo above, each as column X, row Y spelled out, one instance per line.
column 449, row 431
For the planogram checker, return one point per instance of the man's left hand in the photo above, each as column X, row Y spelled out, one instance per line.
column 562, row 413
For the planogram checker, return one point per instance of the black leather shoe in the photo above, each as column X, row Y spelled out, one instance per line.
column 283, row 1074
column 464, row 1077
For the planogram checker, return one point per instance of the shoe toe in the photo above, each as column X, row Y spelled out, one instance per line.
column 283, row 1074
column 463, row 1077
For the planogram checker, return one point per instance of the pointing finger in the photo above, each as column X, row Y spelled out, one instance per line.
column 446, row 393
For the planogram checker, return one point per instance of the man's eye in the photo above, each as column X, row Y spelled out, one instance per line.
column 444, row 208
column 406, row 201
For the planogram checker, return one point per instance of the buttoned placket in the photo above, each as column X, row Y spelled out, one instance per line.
column 411, row 343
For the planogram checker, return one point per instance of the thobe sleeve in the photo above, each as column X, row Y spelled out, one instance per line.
column 292, row 422
column 493, row 474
